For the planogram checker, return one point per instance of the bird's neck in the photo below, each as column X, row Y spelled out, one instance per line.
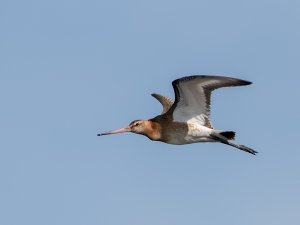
column 153, row 130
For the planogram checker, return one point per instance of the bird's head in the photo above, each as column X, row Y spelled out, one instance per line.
column 139, row 126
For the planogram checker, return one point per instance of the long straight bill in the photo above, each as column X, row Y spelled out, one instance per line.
column 122, row 130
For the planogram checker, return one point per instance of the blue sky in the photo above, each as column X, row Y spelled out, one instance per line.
column 72, row 69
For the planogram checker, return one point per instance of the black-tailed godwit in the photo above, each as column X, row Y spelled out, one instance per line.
column 187, row 119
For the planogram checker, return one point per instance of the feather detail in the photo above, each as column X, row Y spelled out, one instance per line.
column 165, row 101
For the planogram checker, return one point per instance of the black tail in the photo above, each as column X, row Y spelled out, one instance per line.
column 230, row 135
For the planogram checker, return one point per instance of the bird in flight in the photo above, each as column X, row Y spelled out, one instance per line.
column 186, row 119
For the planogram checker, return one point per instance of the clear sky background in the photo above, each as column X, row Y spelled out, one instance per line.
column 72, row 69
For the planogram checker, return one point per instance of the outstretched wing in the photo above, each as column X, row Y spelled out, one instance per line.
column 193, row 95
column 165, row 101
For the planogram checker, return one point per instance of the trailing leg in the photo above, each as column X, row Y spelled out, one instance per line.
column 224, row 140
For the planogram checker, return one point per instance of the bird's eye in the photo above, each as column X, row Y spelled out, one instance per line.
column 137, row 124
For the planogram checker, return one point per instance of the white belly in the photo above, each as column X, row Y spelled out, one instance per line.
column 196, row 133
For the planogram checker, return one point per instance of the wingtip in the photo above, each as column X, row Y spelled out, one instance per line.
column 247, row 82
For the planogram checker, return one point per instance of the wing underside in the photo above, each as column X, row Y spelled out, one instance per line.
column 193, row 97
